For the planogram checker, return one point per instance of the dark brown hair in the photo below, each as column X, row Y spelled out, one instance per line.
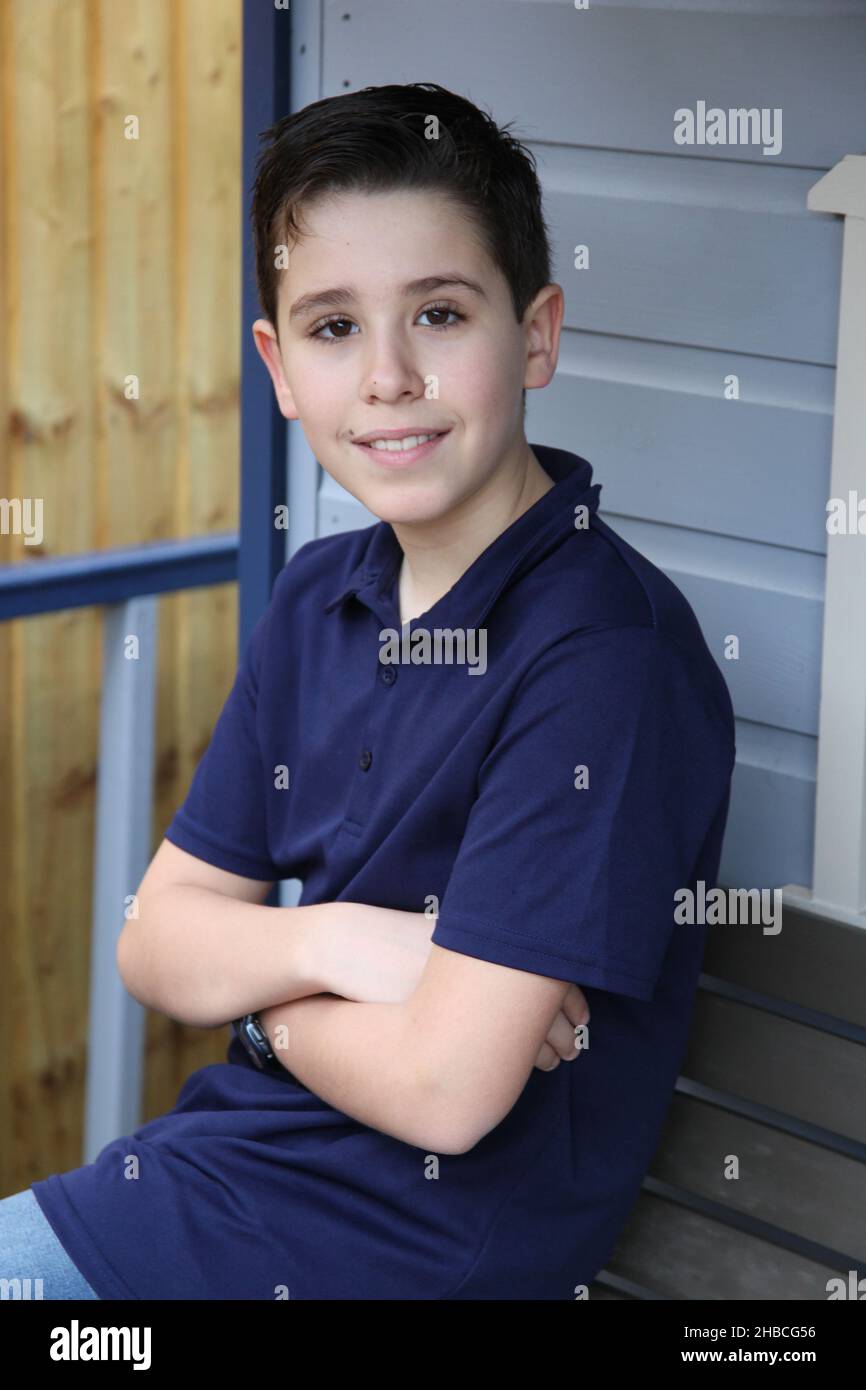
column 379, row 140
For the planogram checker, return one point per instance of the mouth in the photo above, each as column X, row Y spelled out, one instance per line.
column 395, row 455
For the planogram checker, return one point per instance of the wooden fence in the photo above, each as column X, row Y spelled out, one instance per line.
column 120, row 233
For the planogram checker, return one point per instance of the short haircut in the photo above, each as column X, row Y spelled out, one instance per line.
column 383, row 140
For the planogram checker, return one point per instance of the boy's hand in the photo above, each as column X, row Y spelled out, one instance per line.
column 374, row 955
column 560, row 1045
column 377, row 955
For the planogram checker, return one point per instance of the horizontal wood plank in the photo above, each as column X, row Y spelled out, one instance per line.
column 787, row 1181
column 787, row 1066
column 683, row 1254
column 688, row 251
column 613, row 76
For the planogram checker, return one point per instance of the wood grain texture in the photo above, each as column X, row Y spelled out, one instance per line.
column 119, row 259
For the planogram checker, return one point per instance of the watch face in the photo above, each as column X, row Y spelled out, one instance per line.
column 259, row 1046
column 255, row 1042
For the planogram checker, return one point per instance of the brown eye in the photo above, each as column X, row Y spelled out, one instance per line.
column 319, row 331
column 445, row 309
column 337, row 323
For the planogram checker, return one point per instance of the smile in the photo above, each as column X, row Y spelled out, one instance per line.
column 396, row 453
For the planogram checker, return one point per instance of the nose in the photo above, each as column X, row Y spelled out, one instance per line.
column 391, row 371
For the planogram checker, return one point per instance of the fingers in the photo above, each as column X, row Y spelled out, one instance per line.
column 574, row 1005
column 561, row 1037
column 561, row 1044
column 547, row 1059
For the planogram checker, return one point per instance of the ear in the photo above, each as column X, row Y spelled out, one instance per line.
column 265, row 337
column 542, row 325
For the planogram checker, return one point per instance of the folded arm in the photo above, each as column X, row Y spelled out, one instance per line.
column 422, row 1043
column 438, row 1071
column 363, row 1060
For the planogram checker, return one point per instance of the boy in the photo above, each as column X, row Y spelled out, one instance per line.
column 488, row 848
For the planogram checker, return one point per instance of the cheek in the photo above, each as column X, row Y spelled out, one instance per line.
column 309, row 375
column 319, row 394
column 483, row 371
column 487, row 379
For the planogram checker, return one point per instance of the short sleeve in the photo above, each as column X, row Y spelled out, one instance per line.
column 572, row 874
column 222, row 819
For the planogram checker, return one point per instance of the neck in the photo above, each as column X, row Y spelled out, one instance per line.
column 436, row 554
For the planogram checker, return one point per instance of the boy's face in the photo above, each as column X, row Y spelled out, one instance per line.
column 386, row 359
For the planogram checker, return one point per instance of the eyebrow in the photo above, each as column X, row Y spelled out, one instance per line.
column 344, row 294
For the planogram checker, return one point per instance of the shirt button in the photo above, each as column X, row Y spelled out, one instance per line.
column 388, row 675
column 365, row 759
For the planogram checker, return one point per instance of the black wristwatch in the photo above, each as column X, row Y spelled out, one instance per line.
column 254, row 1040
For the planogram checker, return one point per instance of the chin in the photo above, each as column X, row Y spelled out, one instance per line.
column 405, row 516
column 406, row 510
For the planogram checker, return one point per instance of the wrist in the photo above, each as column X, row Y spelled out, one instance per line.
column 278, row 1021
column 318, row 924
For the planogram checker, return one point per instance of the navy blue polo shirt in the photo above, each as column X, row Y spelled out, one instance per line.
column 553, row 804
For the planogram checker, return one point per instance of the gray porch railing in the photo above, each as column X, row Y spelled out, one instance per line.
column 128, row 582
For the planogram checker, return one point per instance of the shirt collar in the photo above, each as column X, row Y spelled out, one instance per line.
column 514, row 551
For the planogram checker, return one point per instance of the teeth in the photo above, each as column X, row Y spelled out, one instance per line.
column 400, row 445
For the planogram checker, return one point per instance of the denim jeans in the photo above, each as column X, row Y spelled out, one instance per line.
column 29, row 1249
